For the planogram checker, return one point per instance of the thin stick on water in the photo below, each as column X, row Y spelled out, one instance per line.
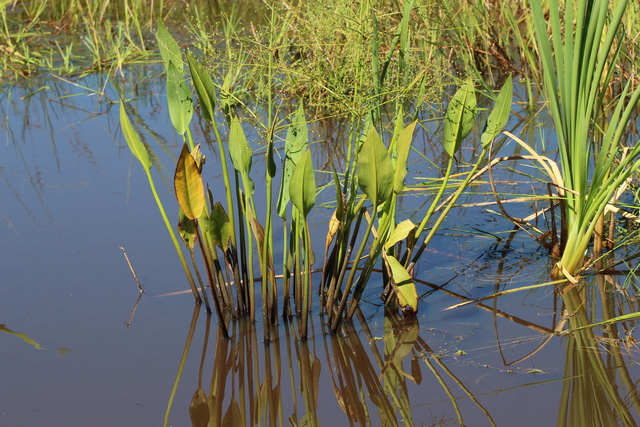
column 135, row 307
column 132, row 270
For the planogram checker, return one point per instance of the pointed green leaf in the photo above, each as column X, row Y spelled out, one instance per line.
column 239, row 148
column 294, row 148
column 219, row 227
column 187, row 230
column 133, row 140
column 188, row 185
column 340, row 202
column 405, row 288
column 500, row 114
column 169, row 49
column 241, row 156
column 400, row 233
column 403, row 146
column 460, row 117
column 375, row 171
column 204, row 88
column 302, row 187
column 179, row 99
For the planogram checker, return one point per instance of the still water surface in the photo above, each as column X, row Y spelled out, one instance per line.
column 72, row 194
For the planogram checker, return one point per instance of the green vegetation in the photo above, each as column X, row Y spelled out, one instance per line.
column 376, row 170
column 270, row 69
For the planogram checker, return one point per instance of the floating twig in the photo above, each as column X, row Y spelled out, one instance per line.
column 132, row 270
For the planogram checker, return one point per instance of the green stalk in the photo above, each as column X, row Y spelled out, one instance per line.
column 183, row 360
column 306, row 287
column 352, row 273
column 214, row 291
column 445, row 212
column 174, row 239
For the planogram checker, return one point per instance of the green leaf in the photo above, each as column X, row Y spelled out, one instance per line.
column 459, row 119
column 169, row 49
column 204, row 88
column 133, row 140
column 340, row 202
column 241, row 156
column 219, row 227
column 403, row 146
column 294, row 148
column 375, row 171
column 188, row 185
column 302, row 187
column 500, row 114
column 239, row 148
column 187, row 230
column 405, row 288
column 400, row 233
column 178, row 99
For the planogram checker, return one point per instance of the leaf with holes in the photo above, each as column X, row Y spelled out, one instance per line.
column 179, row 99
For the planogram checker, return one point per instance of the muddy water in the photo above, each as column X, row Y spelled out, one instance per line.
column 74, row 353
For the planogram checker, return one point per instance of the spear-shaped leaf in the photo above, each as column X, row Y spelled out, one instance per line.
column 400, row 233
column 188, row 185
column 500, row 113
column 219, row 227
column 294, row 148
column 406, row 289
column 403, row 146
column 204, row 88
column 375, row 171
column 179, row 99
column 460, row 117
column 187, row 230
column 302, row 187
column 133, row 140
column 169, row 49
column 241, row 156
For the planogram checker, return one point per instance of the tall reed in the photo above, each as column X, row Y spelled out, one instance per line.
column 578, row 68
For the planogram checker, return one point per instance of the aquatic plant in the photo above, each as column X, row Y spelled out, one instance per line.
column 368, row 190
column 578, row 69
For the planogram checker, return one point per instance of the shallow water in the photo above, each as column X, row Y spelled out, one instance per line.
column 72, row 195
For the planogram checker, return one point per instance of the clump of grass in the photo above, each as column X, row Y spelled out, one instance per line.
column 578, row 69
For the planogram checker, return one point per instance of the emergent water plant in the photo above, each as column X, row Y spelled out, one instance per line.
column 578, row 68
column 229, row 233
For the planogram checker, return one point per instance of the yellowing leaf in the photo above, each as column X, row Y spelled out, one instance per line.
column 405, row 288
column 400, row 233
column 188, row 185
